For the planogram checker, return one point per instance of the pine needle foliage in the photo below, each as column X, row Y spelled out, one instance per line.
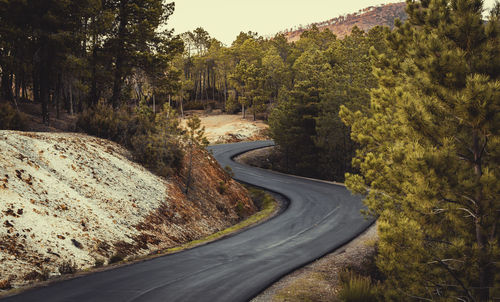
column 430, row 153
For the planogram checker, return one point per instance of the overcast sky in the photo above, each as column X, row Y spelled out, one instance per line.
column 224, row 19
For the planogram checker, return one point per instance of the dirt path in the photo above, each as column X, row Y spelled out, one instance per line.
column 230, row 128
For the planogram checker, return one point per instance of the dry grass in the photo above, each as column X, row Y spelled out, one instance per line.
column 269, row 207
column 314, row 286
column 319, row 281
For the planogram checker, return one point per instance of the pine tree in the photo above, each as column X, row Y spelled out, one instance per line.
column 137, row 33
column 430, row 153
column 349, row 85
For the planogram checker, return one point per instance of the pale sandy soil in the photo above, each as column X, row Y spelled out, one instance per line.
column 230, row 128
column 56, row 190
column 67, row 197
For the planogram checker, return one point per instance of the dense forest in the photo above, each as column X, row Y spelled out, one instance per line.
column 298, row 87
column 429, row 156
column 86, row 56
column 72, row 54
column 408, row 117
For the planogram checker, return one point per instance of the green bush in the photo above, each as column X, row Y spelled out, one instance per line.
column 11, row 119
column 67, row 267
column 116, row 258
column 240, row 209
column 259, row 197
column 102, row 121
column 98, row 262
column 194, row 105
column 151, row 138
column 229, row 171
column 357, row 288
column 158, row 153
column 222, row 187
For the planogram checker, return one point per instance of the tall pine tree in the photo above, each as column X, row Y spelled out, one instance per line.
column 430, row 156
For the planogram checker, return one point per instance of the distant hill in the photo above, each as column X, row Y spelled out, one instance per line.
column 365, row 19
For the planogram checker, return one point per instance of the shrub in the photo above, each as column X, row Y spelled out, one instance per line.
column 356, row 288
column 11, row 119
column 32, row 276
column 98, row 262
column 5, row 284
column 194, row 105
column 67, row 267
column 259, row 197
column 222, row 187
column 152, row 139
column 44, row 274
column 240, row 209
column 116, row 258
column 102, row 121
column 158, row 153
column 229, row 171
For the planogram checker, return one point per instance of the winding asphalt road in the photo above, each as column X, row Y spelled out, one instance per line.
column 320, row 218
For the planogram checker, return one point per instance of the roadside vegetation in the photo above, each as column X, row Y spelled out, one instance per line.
column 10, row 118
column 407, row 117
column 428, row 154
column 267, row 205
column 153, row 139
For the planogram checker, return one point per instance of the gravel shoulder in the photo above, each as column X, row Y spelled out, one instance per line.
column 319, row 280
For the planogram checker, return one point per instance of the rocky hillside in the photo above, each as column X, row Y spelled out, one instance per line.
column 364, row 19
column 70, row 201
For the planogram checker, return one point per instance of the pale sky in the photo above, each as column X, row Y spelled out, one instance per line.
column 225, row 19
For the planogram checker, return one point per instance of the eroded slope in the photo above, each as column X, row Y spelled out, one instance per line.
column 80, row 200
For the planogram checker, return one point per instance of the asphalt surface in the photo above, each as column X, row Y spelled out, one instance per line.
column 320, row 218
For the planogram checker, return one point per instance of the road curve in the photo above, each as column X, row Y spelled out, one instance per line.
column 320, row 218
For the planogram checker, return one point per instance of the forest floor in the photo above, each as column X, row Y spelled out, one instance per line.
column 219, row 128
column 229, row 128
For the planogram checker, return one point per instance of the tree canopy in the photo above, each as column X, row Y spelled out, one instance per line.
column 429, row 153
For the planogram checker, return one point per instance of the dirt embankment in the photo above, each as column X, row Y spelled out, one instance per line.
column 70, row 201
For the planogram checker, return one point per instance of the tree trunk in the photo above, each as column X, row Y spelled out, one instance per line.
column 154, row 103
column 117, row 84
column 7, row 86
column 483, row 261
column 119, row 62
column 93, row 91
column 254, row 111
column 71, row 98
column 182, row 107
column 44, row 93
column 36, row 85
column 190, row 167
column 57, row 95
column 24, row 91
column 225, row 93
column 17, row 91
